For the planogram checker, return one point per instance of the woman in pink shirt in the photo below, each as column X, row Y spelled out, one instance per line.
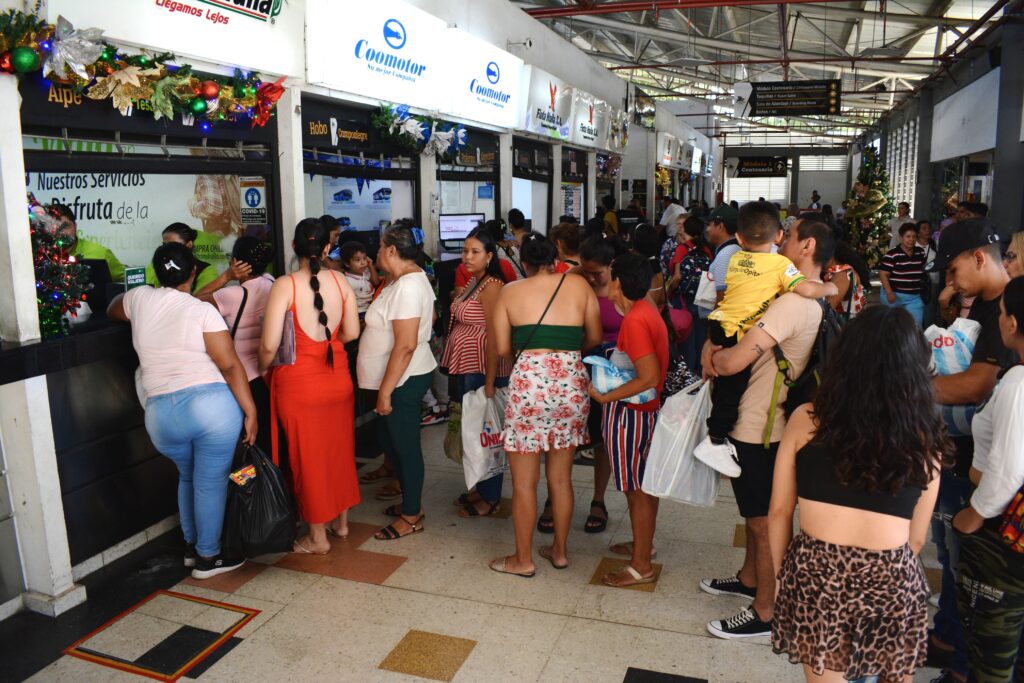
column 242, row 308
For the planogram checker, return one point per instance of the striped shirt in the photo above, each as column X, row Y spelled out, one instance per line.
column 464, row 353
column 905, row 272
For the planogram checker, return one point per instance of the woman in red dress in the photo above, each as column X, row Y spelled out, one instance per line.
column 321, row 452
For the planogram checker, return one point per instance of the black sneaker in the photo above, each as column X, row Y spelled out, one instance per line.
column 730, row 585
column 190, row 555
column 208, row 567
column 746, row 624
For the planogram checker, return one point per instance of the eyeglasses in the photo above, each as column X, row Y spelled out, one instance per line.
column 1010, row 256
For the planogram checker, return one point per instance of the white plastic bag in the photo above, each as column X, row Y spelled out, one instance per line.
column 482, row 422
column 607, row 375
column 672, row 471
column 952, row 349
column 707, row 295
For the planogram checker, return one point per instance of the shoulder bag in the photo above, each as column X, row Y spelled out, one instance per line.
column 241, row 307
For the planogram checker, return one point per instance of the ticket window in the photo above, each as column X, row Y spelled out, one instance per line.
column 531, row 197
column 359, row 203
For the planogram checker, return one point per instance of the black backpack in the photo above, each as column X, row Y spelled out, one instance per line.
column 802, row 388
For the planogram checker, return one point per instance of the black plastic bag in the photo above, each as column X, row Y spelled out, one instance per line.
column 258, row 519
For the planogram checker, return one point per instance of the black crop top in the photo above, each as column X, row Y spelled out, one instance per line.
column 816, row 480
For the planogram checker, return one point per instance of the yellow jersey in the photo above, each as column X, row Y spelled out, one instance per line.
column 753, row 280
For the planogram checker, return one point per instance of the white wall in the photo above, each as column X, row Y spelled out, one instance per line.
column 831, row 185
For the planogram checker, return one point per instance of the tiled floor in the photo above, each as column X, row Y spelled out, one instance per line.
column 427, row 608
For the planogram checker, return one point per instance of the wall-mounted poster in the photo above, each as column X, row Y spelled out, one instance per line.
column 358, row 204
column 572, row 200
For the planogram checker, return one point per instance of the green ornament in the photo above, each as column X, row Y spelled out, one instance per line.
column 24, row 59
column 197, row 106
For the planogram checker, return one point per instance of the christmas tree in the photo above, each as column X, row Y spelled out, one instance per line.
column 61, row 282
column 871, row 207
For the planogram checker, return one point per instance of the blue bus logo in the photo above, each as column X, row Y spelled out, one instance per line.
column 394, row 34
column 493, row 73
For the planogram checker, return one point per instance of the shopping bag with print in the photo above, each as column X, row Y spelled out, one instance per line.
column 706, row 296
column 483, row 420
column 671, row 470
column 258, row 519
column 608, row 374
column 952, row 349
column 453, row 439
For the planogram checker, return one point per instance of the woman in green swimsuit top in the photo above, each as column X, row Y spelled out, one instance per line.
column 543, row 322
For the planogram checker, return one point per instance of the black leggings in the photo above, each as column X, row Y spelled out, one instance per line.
column 726, row 390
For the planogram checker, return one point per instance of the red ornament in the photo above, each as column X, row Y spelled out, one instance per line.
column 267, row 96
column 209, row 89
column 5, row 63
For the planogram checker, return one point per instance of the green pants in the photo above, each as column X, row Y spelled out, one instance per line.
column 990, row 596
column 399, row 435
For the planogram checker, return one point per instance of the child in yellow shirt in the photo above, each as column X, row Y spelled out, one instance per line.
column 755, row 277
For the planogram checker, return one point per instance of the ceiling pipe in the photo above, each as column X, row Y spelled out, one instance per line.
column 852, row 61
column 649, row 5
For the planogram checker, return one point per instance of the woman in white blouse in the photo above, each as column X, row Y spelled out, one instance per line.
column 991, row 587
column 396, row 363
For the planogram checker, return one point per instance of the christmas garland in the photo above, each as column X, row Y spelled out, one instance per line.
column 415, row 133
column 82, row 59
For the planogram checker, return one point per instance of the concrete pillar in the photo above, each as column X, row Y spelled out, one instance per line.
column 27, row 435
column 1007, row 210
column 556, row 209
column 590, row 210
column 794, row 184
column 19, row 316
column 430, row 199
column 928, row 190
column 293, row 187
column 25, row 427
column 507, row 158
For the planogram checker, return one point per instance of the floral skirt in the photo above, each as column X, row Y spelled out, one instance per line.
column 860, row 612
column 547, row 405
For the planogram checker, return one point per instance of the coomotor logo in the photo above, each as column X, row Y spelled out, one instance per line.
column 493, row 73
column 490, row 95
column 394, row 34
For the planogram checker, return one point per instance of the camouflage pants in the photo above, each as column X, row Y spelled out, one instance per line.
column 991, row 601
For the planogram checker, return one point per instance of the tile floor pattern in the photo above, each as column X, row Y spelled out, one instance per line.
column 367, row 610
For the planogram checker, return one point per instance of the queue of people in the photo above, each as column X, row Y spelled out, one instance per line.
column 867, row 457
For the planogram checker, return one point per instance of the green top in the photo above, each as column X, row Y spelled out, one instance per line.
column 206, row 275
column 555, row 337
column 86, row 249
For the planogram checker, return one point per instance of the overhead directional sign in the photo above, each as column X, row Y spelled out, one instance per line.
column 762, row 167
column 788, row 98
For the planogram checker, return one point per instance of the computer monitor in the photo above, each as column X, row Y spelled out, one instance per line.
column 455, row 227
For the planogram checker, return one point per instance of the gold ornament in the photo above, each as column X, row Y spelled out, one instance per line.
column 124, row 85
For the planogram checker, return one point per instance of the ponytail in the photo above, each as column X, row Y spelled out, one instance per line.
column 310, row 240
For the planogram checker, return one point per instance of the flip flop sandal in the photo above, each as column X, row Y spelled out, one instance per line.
column 300, row 549
column 388, row 493
column 628, row 553
column 499, row 566
column 596, row 524
column 545, row 552
column 470, row 510
column 332, row 532
column 464, row 499
column 637, row 579
column 390, row 533
column 546, row 522
column 375, row 475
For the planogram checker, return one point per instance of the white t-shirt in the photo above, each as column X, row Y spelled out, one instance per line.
column 167, row 333
column 998, row 429
column 363, row 289
column 668, row 218
column 411, row 296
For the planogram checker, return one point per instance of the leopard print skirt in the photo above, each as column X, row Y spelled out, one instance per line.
column 856, row 611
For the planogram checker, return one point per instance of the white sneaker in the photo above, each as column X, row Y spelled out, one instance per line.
column 720, row 457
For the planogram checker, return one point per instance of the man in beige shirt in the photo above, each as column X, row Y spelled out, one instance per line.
column 791, row 323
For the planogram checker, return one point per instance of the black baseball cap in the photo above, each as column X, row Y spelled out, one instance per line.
column 964, row 236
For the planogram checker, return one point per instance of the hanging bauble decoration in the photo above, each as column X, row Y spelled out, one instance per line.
column 198, row 106
column 24, row 59
column 5, row 62
column 72, row 50
column 209, row 89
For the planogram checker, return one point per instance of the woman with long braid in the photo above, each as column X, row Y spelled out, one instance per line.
column 321, row 453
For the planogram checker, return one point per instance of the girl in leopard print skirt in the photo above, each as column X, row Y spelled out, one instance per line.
column 863, row 463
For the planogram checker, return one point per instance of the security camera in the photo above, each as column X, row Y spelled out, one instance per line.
column 528, row 43
column 525, row 44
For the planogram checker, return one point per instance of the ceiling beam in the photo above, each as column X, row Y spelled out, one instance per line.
column 645, row 5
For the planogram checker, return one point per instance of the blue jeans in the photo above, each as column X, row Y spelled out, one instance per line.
column 198, row 428
column 954, row 494
column 912, row 302
column 489, row 489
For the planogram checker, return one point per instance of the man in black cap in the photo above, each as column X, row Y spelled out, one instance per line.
column 970, row 256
